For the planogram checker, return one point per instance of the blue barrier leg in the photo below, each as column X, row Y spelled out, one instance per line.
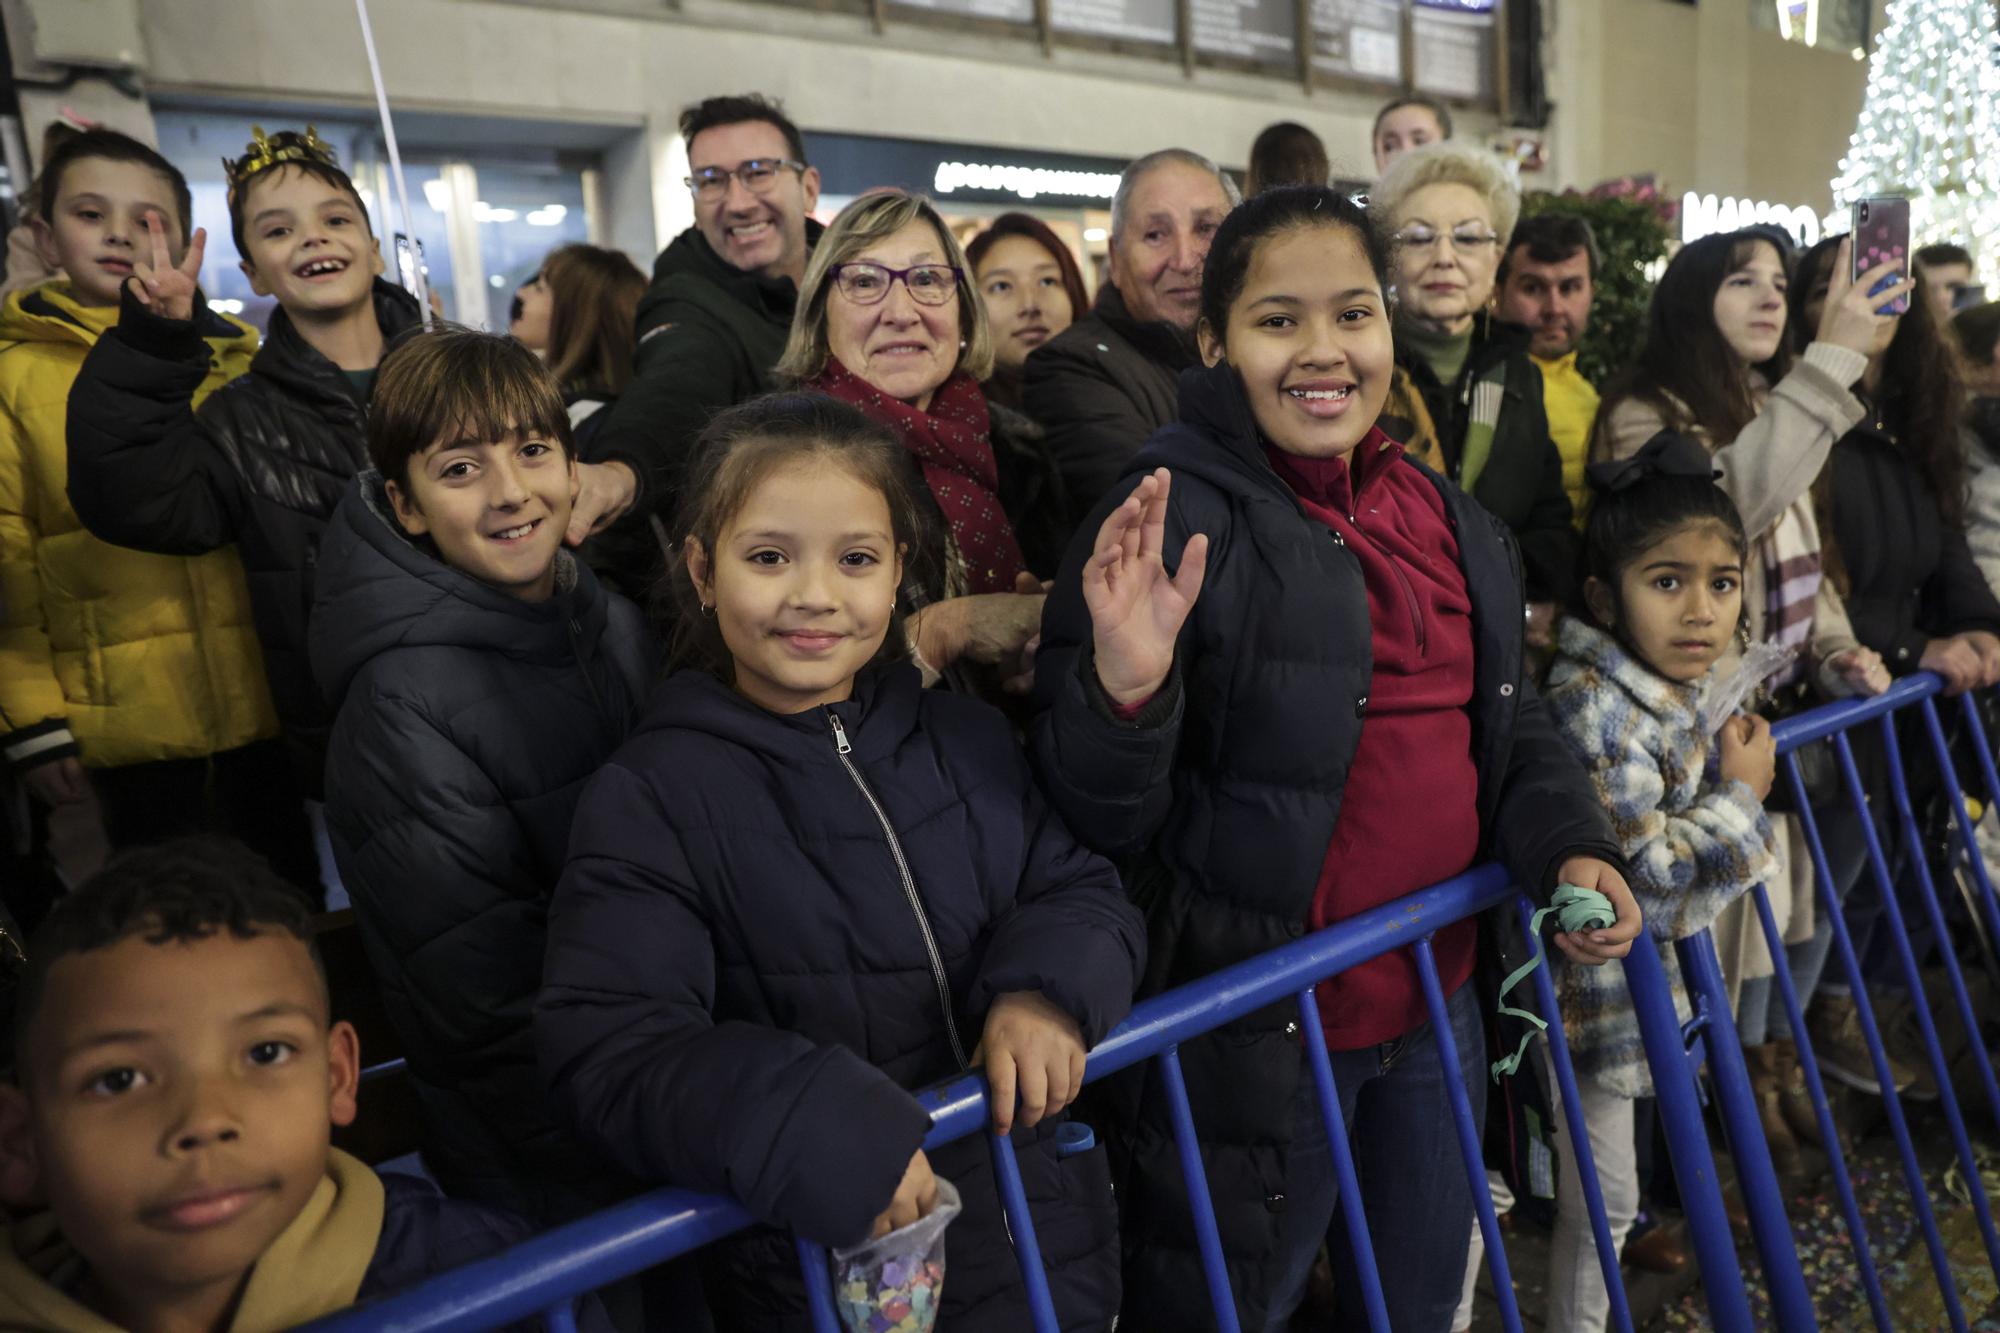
column 1989, row 906
column 1021, row 1226
column 1913, row 1174
column 1687, row 1139
column 1468, row 1137
column 819, row 1285
column 1933, row 908
column 1919, row 1004
column 1348, row 1182
column 1871, row 1281
column 559, row 1318
column 1579, row 1135
column 1199, row 1202
column 1763, row 1198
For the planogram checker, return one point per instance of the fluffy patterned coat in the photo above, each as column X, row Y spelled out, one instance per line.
column 1695, row 843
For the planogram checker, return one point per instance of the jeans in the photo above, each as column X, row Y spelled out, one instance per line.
column 1760, row 1017
column 1578, row 1302
column 1396, row 1105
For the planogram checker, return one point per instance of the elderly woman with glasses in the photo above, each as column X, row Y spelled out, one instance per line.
column 889, row 320
column 1467, row 399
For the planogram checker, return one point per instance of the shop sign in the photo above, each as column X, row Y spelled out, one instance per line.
column 1705, row 215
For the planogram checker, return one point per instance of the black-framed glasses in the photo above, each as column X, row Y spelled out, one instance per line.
column 866, row 284
column 1465, row 240
column 758, row 175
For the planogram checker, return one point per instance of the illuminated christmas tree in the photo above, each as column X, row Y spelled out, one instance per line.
column 1930, row 126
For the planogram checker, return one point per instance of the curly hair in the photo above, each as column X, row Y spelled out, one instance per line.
column 1447, row 163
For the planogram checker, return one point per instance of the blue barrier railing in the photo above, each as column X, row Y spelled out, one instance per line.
column 542, row 1275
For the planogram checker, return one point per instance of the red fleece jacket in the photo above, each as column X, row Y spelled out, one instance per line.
column 1409, row 813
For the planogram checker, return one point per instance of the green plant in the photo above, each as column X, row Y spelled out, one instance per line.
column 1631, row 225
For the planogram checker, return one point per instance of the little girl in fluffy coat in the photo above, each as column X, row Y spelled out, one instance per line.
column 1664, row 555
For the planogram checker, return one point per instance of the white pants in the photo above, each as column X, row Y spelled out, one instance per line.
column 1578, row 1302
column 1475, row 1257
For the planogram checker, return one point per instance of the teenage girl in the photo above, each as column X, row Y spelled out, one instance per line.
column 1322, row 709
column 807, row 886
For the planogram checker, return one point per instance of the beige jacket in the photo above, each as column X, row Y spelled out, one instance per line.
column 1768, row 471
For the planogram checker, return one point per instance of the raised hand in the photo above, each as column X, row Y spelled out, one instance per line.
column 1136, row 611
column 168, row 288
column 1849, row 318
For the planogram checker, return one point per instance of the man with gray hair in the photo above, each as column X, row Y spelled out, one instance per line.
column 1108, row 381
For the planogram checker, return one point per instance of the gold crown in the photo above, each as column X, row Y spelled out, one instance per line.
column 265, row 151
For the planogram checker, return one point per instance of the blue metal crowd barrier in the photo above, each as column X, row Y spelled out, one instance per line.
column 543, row 1275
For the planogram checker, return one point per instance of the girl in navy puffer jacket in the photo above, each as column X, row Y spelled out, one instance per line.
column 806, row 886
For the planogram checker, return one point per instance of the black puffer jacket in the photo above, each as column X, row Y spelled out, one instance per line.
column 469, row 722
column 1221, row 798
column 1521, row 482
column 1911, row 578
column 262, row 465
column 709, row 336
column 1099, row 389
column 742, row 987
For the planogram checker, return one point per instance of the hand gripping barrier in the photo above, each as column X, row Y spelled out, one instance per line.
column 543, row 1275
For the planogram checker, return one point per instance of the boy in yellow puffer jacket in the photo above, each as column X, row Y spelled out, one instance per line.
column 131, row 677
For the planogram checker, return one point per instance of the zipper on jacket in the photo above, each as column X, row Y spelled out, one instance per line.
column 582, row 664
column 846, row 751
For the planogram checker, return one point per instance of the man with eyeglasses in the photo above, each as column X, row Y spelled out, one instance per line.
column 713, row 324
column 1109, row 380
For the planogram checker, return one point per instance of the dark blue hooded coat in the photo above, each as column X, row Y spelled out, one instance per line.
column 743, row 984
column 469, row 722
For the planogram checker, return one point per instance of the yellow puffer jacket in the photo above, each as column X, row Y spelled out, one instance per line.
column 117, row 655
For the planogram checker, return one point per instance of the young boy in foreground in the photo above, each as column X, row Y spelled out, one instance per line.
column 178, row 1079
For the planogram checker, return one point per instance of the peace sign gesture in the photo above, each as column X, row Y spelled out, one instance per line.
column 1136, row 611
column 164, row 286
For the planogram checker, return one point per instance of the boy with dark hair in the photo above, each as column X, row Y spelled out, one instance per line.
column 262, row 464
column 179, row 1076
column 481, row 676
column 713, row 324
column 132, row 695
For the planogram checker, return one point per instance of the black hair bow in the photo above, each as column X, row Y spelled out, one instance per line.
column 1667, row 454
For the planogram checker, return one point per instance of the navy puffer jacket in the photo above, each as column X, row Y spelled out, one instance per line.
column 741, row 988
column 469, row 723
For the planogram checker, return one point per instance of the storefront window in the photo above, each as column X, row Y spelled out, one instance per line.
column 524, row 212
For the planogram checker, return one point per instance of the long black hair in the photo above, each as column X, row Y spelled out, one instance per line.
column 1920, row 395
column 1686, row 370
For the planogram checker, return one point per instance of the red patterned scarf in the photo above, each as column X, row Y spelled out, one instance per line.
column 953, row 442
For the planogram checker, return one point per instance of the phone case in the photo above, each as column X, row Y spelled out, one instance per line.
column 1882, row 235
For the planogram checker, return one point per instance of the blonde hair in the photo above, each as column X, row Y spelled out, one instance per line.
column 1446, row 163
column 867, row 221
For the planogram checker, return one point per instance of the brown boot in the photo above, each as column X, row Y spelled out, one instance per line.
column 1785, row 1158
column 1794, row 1102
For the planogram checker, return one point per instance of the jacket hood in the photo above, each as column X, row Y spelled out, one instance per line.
column 380, row 591
column 878, row 716
column 690, row 258
column 1215, row 439
column 288, row 358
column 50, row 313
column 314, row 1267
